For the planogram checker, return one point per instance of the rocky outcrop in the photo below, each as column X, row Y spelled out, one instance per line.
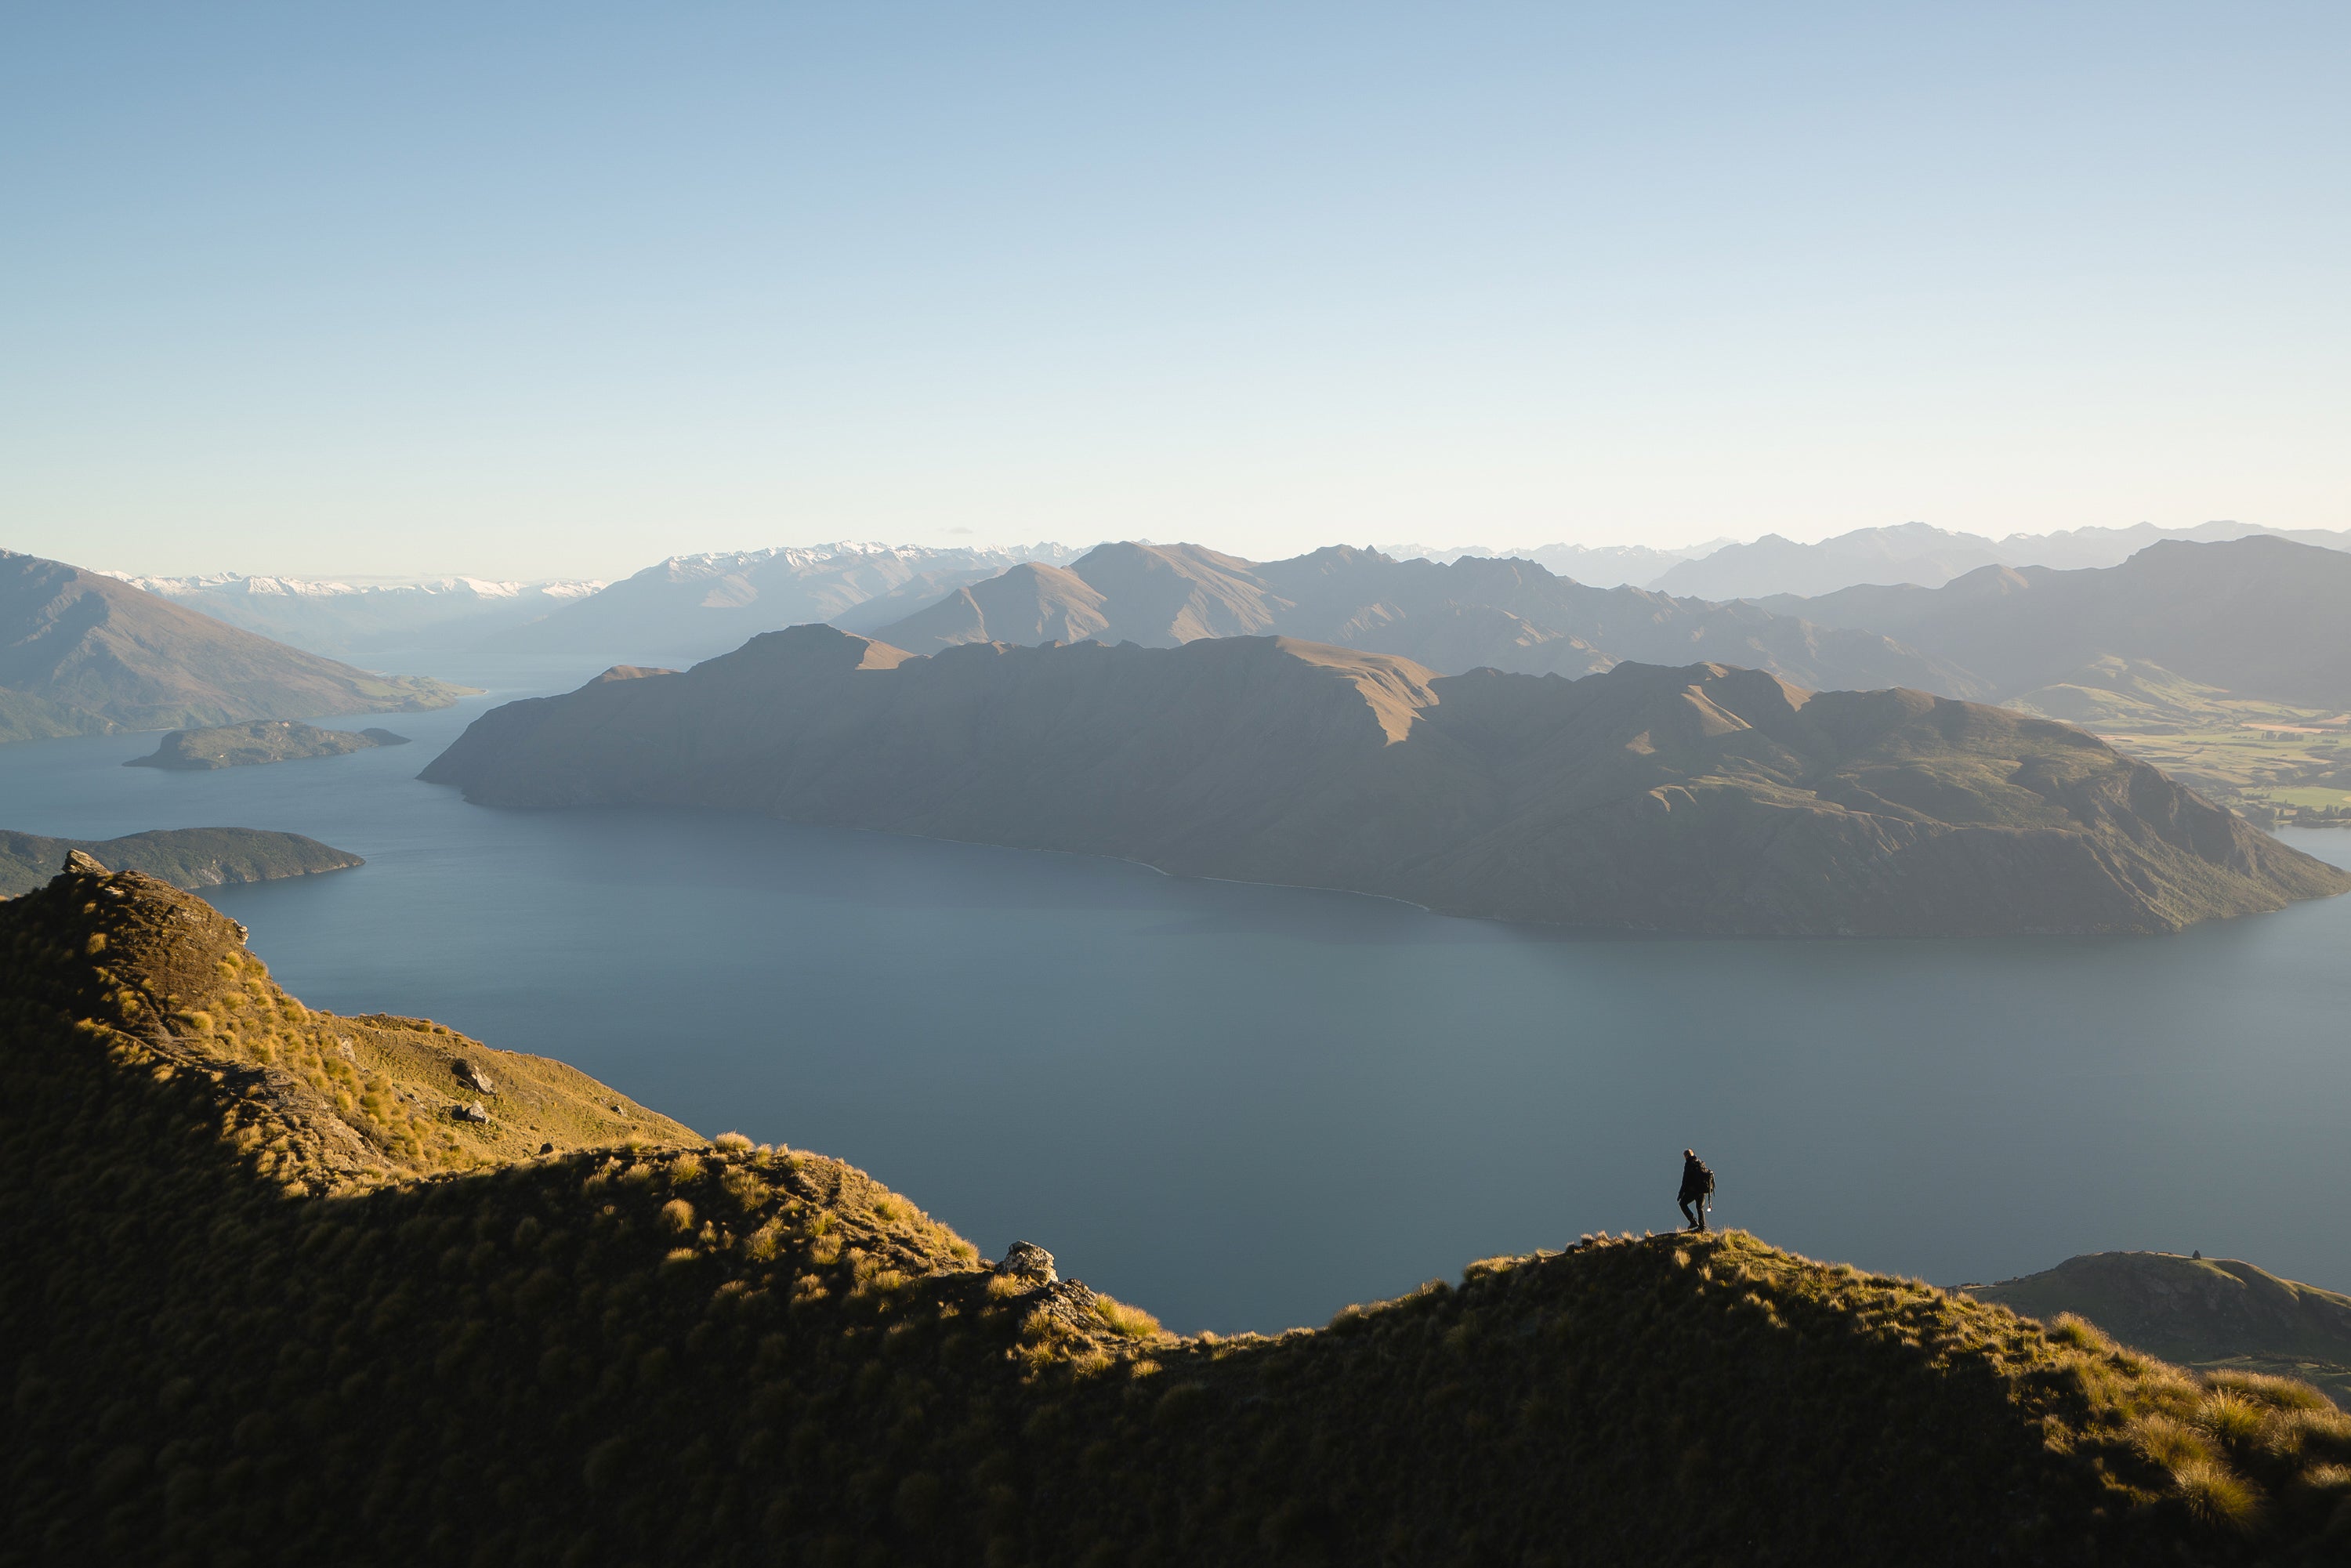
column 1028, row 1261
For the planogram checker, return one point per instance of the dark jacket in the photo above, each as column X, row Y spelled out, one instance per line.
column 1697, row 1180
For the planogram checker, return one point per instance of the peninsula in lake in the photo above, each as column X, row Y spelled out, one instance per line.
column 184, row 857
column 263, row 740
column 1703, row 799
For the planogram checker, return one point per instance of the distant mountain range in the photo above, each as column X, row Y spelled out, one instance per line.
column 1601, row 566
column 2259, row 617
column 82, row 653
column 1903, row 552
column 1699, row 799
column 1503, row 614
column 693, row 606
column 362, row 620
column 690, row 607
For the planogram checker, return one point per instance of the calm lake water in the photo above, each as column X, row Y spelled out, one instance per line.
column 1245, row 1107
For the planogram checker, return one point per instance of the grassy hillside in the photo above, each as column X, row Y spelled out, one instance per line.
column 1695, row 798
column 264, row 740
column 83, row 654
column 270, row 1300
column 184, row 857
column 2274, row 763
column 2210, row 1313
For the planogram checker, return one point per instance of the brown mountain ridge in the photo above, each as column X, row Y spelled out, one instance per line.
column 1702, row 798
column 1469, row 614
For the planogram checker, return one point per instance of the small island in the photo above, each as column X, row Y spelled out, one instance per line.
column 263, row 740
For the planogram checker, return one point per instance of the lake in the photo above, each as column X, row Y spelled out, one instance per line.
column 1245, row 1107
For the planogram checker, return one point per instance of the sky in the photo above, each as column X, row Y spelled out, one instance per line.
column 532, row 290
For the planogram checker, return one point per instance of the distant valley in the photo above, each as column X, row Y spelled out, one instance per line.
column 1699, row 799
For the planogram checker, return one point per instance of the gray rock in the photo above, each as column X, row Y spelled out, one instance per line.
column 471, row 1111
column 1027, row 1260
column 82, row 861
column 472, row 1076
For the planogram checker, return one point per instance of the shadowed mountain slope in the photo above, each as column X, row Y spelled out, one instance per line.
column 184, row 857
column 2259, row 617
column 2204, row 1312
column 1470, row 612
column 82, row 653
column 270, row 1300
column 1698, row 798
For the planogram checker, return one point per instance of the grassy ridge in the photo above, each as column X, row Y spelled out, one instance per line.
column 2200, row 1312
column 270, row 1304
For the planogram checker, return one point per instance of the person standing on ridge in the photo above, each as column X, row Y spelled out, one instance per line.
column 1697, row 1187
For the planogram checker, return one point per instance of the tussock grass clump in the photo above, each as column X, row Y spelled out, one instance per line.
column 1131, row 1323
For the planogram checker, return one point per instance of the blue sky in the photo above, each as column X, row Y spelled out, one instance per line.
column 528, row 290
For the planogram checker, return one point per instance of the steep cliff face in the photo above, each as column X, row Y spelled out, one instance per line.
column 262, row 1306
column 1703, row 799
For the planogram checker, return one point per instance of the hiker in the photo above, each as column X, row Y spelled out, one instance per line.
column 1697, row 1187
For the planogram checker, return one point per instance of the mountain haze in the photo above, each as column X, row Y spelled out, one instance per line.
column 2259, row 617
column 1928, row 557
column 82, row 653
column 365, row 620
column 694, row 606
column 288, row 1287
column 1700, row 798
column 1471, row 613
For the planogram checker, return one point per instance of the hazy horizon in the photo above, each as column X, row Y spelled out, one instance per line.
column 557, row 293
